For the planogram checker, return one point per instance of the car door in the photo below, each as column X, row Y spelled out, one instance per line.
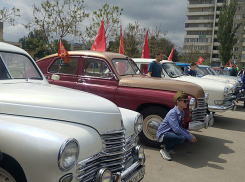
column 66, row 72
column 96, row 76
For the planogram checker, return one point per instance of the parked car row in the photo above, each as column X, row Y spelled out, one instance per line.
column 220, row 94
column 117, row 78
column 51, row 133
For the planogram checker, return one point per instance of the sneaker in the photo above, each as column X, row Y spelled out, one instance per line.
column 165, row 154
column 171, row 152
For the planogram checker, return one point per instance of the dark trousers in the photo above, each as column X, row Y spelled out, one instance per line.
column 172, row 140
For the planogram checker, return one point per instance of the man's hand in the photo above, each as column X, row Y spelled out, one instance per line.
column 149, row 74
column 194, row 138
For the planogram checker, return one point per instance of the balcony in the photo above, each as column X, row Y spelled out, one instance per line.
column 215, row 59
column 198, row 29
column 216, row 44
column 200, row 6
column 215, row 52
column 199, row 21
column 197, row 36
column 243, row 44
column 243, row 52
column 199, row 13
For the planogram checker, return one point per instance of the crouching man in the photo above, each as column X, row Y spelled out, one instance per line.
column 170, row 133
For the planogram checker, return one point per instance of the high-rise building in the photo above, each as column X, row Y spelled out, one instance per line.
column 201, row 30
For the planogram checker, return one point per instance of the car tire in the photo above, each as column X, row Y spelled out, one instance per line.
column 153, row 117
column 10, row 170
column 5, row 176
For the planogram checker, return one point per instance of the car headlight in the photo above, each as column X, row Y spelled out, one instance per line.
column 68, row 154
column 206, row 97
column 138, row 124
column 104, row 175
column 192, row 104
column 225, row 91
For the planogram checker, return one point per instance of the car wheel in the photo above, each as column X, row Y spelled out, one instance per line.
column 5, row 176
column 153, row 117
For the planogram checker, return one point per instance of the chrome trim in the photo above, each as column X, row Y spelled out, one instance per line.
column 130, row 170
column 100, row 174
column 222, row 108
column 115, row 155
column 62, row 149
column 65, row 176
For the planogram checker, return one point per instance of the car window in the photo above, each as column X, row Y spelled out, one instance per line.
column 95, row 67
column 144, row 68
column 59, row 66
column 126, row 67
column 17, row 66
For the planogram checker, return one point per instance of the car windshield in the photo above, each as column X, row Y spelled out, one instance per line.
column 212, row 71
column 172, row 70
column 17, row 66
column 126, row 67
column 200, row 72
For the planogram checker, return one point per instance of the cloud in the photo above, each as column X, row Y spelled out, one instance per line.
column 170, row 14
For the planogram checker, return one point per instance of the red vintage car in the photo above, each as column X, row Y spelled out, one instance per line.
column 117, row 78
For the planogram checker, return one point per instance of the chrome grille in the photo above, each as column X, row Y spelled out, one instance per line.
column 116, row 151
column 200, row 111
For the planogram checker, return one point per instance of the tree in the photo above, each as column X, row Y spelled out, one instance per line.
column 226, row 33
column 9, row 15
column 57, row 19
column 110, row 16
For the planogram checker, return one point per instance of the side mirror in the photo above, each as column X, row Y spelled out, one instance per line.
column 55, row 77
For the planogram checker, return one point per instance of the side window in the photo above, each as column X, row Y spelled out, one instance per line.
column 59, row 66
column 144, row 68
column 94, row 67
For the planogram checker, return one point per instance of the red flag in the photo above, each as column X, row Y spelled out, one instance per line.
column 99, row 41
column 121, row 49
column 170, row 57
column 62, row 53
column 229, row 64
column 145, row 50
column 200, row 60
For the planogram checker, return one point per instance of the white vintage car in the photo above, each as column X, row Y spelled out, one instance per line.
column 54, row 134
column 219, row 98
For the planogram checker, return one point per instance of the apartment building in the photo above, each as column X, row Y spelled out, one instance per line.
column 201, row 30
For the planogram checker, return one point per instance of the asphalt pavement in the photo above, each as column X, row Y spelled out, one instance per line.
column 217, row 156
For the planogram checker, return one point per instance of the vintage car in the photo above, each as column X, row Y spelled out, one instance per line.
column 234, row 87
column 117, row 78
column 208, row 70
column 219, row 98
column 56, row 134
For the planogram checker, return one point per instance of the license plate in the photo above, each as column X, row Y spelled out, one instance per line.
column 137, row 176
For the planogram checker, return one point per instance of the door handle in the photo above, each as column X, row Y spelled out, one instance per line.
column 81, row 80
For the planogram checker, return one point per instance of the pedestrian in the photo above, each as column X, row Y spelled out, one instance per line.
column 170, row 133
column 243, row 86
column 155, row 67
column 192, row 71
column 233, row 71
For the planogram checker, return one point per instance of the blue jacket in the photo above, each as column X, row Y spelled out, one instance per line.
column 172, row 123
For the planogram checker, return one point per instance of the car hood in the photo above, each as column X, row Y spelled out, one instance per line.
column 207, row 85
column 221, row 79
column 231, row 77
column 162, row 84
column 59, row 103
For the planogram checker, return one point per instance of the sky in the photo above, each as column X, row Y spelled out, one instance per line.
column 170, row 15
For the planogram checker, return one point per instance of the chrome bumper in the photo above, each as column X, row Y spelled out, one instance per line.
column 197, row 125
column 222, row 108
column 129, row 172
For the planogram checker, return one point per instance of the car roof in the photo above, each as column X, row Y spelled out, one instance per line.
column 105, row 54
column 206, row 66
column 184, row 64
column 147, row 60
column 11, row 48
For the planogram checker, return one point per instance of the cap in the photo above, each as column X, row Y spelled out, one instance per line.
column 177, row 95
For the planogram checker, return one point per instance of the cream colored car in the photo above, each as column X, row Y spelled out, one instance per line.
column 55, row 134
column 219, row 92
